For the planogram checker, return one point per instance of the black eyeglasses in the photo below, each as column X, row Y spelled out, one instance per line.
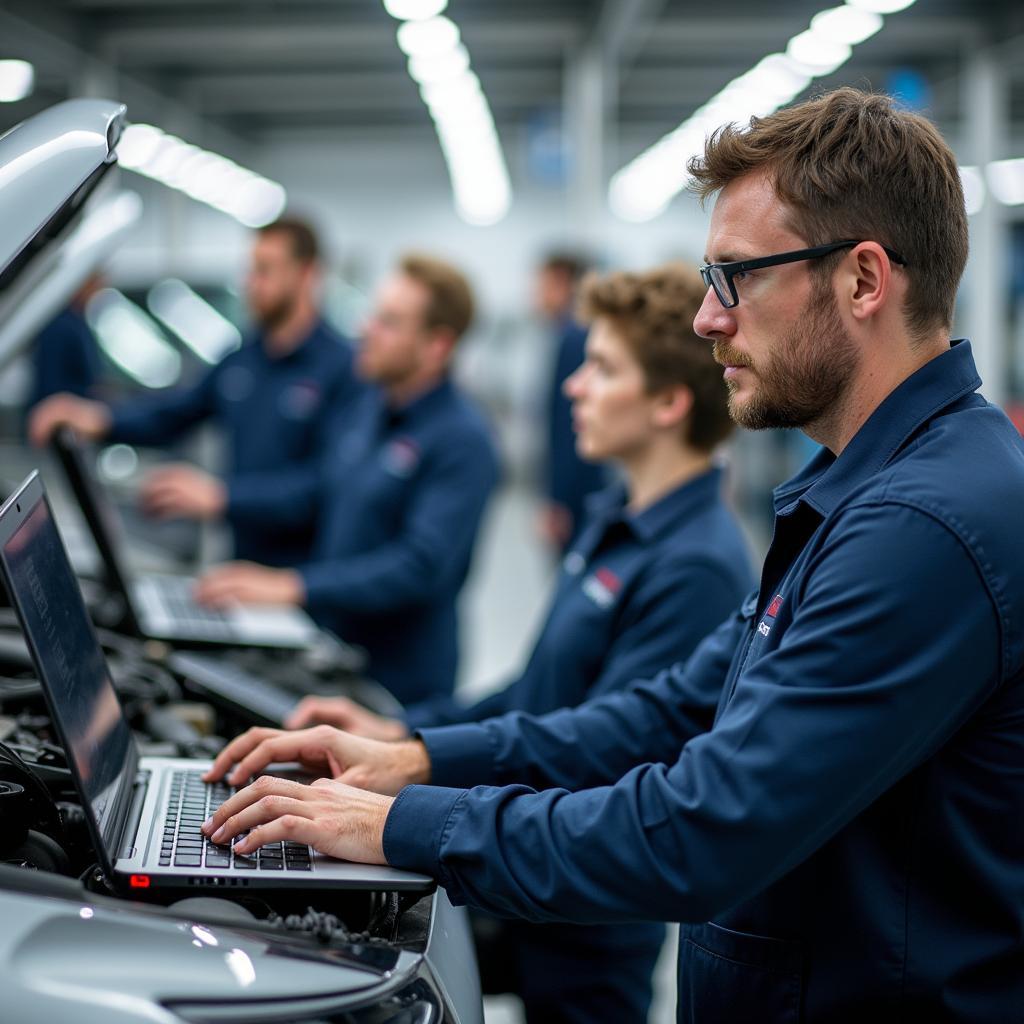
column 720, row 275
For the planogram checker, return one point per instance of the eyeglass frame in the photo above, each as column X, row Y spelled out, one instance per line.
column 730, row 270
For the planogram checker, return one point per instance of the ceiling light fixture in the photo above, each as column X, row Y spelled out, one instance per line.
column 202, row 175
column 17, row 79
column 647, row 184
column 414, row 10
column 440, row 64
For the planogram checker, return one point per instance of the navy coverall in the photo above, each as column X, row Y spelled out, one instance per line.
column 273, row 412
column 398, row 500
column 637, row 592
column 569, row 479
column 65, row 358
column 831, row 791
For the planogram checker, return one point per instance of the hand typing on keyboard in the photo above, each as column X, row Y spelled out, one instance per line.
column 331, row 815
column 324, row 750
column 335, row 819
column 248, row 583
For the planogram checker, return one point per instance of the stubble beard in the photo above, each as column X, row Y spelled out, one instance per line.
column 805, row 380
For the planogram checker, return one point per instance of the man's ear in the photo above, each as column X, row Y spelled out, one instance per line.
column 442, row 345
column 866, row 280
column 672, row 406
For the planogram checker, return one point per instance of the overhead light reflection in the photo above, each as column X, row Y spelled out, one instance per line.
column 132, row 340
column 206, row 332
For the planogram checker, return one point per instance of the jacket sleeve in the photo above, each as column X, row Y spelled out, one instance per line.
column 288, row 498
column 599, row 741
column 673, row 606
column 433, row 547
column 872, row 676
column 161, row 418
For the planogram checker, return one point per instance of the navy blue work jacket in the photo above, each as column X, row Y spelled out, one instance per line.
column 65, row 358
column 272, row 411
column 831, row 790
column 398, row 503
column 636, row 593
column 569, row 479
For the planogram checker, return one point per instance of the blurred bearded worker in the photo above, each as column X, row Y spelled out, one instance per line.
column 271, row 398
column 398, row 499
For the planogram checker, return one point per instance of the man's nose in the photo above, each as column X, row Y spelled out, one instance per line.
column 713, row 319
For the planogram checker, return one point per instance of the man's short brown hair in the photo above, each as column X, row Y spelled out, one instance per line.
column 851, row 165
column 301, row 235
column 653, row 313
column 451, row 298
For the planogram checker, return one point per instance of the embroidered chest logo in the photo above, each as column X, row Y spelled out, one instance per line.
column 764, row 627
column 401, row 457
column 301, row 399
column 602, row 587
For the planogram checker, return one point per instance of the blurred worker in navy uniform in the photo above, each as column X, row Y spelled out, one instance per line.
column 830, row 792
column 659, row 564
column 400, row 497
column 568, row 478
column 65, row 356
column 271, row 398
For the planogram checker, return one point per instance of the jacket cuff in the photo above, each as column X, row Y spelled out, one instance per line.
column 460, row 755
column 416, row 827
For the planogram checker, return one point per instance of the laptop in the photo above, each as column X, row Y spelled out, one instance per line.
column 143, row 813
column 161, row 607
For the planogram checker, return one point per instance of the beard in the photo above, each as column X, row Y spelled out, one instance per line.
column 807, row 375
column 273, row 315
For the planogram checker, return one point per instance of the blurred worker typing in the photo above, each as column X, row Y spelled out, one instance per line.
column 271, row 399
column 397, row 500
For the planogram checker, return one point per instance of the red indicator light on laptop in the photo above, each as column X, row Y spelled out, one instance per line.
column 139, row 881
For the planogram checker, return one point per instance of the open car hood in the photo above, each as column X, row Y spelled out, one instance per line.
column 53, row 237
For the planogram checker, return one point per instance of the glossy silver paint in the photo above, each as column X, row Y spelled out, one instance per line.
column 45, row 159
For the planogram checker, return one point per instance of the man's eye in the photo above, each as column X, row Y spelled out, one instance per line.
column 740, row 275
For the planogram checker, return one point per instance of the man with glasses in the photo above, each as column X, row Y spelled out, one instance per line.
column 829, row 793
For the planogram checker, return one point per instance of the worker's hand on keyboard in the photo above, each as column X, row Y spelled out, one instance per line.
column 248, row 583
column 354, row 760
column 345, row 714
column 333, row 818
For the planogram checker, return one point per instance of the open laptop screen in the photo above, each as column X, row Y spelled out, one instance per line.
column 72, row 665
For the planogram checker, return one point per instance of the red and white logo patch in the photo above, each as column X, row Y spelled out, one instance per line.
column 764, row 627
column 602, row 587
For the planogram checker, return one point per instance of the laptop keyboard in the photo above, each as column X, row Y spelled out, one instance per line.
column 192, row 801
column 175, row 594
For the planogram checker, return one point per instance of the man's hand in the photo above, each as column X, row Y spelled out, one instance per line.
column 333, row 818
column 248, row 583
column 88, row 418
column 184, row 492
column 345, row 714
column 354, row 760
